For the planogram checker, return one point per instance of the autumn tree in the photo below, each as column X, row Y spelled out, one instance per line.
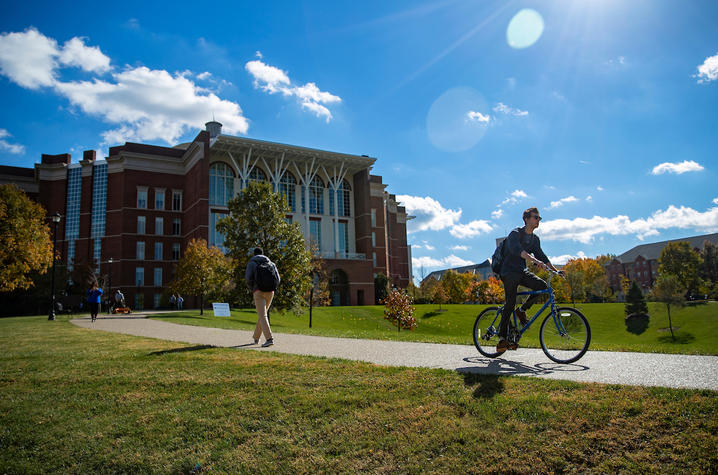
column 669, row 290
column 439, row 296
column 586, row 278
column 381, row 287
column 25, row 244
column 455, row 285
column 495, row 290
column 202, row 272
column 398, row 309
column 320, row 283
column 709, row 268
column 427, row 288
column 680, row 259
column 258, row 219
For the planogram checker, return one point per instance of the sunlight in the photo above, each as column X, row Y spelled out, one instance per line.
column 524, row 29
column 457, row 119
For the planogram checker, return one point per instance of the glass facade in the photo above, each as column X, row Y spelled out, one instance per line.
column 72, row 213
column 315, row 233
column 221, row 184
column 215, row 237
column 257, row 174
column 288, row 189
column 343, row 231
column 343, row 201
column 316, row 196
column 99, row 207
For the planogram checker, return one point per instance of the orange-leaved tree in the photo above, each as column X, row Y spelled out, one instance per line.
column 398, row 309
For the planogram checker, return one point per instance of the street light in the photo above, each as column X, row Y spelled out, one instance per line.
column 109, row 290
column 55, row 219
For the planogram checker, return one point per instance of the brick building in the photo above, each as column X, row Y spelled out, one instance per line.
column 133, row 214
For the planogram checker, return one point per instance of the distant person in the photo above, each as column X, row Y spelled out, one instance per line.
column 521, row 245
column 262, row 279
column 173, row 301
column 119, row 299
column 93, row 300
column 180, row 302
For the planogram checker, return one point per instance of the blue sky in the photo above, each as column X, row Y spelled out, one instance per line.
column 602, row 113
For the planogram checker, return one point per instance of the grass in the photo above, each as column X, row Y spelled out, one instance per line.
column 697, row 326
column 78, row 400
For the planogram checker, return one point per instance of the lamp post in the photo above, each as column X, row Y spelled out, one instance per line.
column 55, row 219
column 110, row 300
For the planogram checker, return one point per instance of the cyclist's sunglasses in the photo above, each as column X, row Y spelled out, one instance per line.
column 535, row 216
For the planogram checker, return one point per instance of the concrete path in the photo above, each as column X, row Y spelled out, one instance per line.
column 644, row 369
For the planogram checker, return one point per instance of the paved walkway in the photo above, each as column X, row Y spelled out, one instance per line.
column 644, row 369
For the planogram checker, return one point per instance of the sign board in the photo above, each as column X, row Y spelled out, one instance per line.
column 221, row 309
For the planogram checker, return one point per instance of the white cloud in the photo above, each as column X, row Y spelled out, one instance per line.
column 563, row 259
column 504, row 109
column 204, row 76
column 454, row 261
column 514, row 197
column 151, row 104
column 428, row 246
column 586, row 229
column 272, row 80
column 708, row 71
column 496, row 214
column 430, row 215
column 446, row 262
column 89, row 58
column 476, row 116
column 715, row 201
column 459, row 248
column 15, row 149
column 568, row 199
column 678, row 168
column 473, row 229
column 599, row 188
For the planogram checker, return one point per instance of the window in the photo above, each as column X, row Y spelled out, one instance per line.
column 72, row 213
column 176, row 226
column 140, row 276
column 158, row 251
column 373, row 239
column 342, row 199
column 215, row 237
column 373, row 218
column 221, row 184
column 176, row 200
column 142, row 198
column 316, row 196
column 140, row 250
column 159, row 226
column 99, row 208
column 343, row 231
column 159, row 199
column 175, row 251
column 158, row 277
column 257, row 174
column 315, row 233
column 157, row 299
column 140, row 224
column 373, row 258
column 288, row 189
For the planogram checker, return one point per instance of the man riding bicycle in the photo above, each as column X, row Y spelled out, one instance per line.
column 521, row 245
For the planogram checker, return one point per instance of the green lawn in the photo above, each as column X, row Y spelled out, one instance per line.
column 697, row 326
column 77, row 400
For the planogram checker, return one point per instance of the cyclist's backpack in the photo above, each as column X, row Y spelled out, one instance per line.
column 498, row 258
column 266, row 277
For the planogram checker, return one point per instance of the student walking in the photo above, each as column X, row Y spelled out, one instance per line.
column 262, row 279
column 93, row 300
column 180, row 302
column 173, row 302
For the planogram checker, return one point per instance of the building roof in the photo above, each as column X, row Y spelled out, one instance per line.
column 653, row 250
column 461, row 270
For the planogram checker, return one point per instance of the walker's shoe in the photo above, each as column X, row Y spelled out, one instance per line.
column 522, row 317
column 267, row 343
column 256, row 342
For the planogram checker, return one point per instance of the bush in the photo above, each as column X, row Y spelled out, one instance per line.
column 635, row 301
column 398, row 308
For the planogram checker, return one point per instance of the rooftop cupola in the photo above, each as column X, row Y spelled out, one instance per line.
column 214, row 128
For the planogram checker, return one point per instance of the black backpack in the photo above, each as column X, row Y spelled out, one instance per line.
column 498, row 258
column 266, row 277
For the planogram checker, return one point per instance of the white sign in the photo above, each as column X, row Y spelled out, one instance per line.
column 221, row 309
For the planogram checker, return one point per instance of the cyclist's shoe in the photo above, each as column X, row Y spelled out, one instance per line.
column 522, row 317
column 502, row 346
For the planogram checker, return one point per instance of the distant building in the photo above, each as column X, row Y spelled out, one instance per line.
column 483, row 270
column 640, row 264
column 142, row 205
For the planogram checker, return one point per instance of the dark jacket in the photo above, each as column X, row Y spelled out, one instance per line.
column 252, row 269
column 93, row 296
column 516, row 242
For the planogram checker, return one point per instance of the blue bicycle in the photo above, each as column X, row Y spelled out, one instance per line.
column 564, row 334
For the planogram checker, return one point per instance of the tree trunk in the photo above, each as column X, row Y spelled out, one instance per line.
column 201, row 304
column 670, row 325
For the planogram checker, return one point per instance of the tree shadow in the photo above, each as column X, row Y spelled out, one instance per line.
column 429, row 314
column 682, row 338
column 182, row 350
column 637, row 323
column 487, row 385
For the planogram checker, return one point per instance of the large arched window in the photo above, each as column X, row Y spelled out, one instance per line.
column 316, row 196
column 287, row 187
column 257, row 174
column 342, row 199
column 221, row 184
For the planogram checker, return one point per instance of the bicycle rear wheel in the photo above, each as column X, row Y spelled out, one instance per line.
column 486, row 332
column 566, row 337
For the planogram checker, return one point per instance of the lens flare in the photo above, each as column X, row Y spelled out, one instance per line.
column 525, row 29
column 457, row 119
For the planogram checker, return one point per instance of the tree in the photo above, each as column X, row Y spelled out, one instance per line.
column 381, row 287
column 320, row 283
column 25, row 244
column 455, row 285
column 258, row 219
column 709, row 268
column 427, row 288
column 679, row 259
column 586, row 278
column 202, row 272
column 635, row 301
column 439, row 296
column 398, row 308
column 495, row 291
column 669, row 290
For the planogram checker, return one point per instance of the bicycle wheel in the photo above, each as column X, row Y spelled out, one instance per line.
column 566, row 338
column 486, row 332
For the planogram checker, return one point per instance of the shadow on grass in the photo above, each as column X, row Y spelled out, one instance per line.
column 430, row 314
column 182, row 350
column 682, row 338
column 487, row 385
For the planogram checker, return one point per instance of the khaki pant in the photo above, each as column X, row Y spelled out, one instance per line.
column 262, row 300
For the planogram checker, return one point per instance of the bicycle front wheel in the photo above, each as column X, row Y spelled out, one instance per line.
column 565, row 336
column 486, row 332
